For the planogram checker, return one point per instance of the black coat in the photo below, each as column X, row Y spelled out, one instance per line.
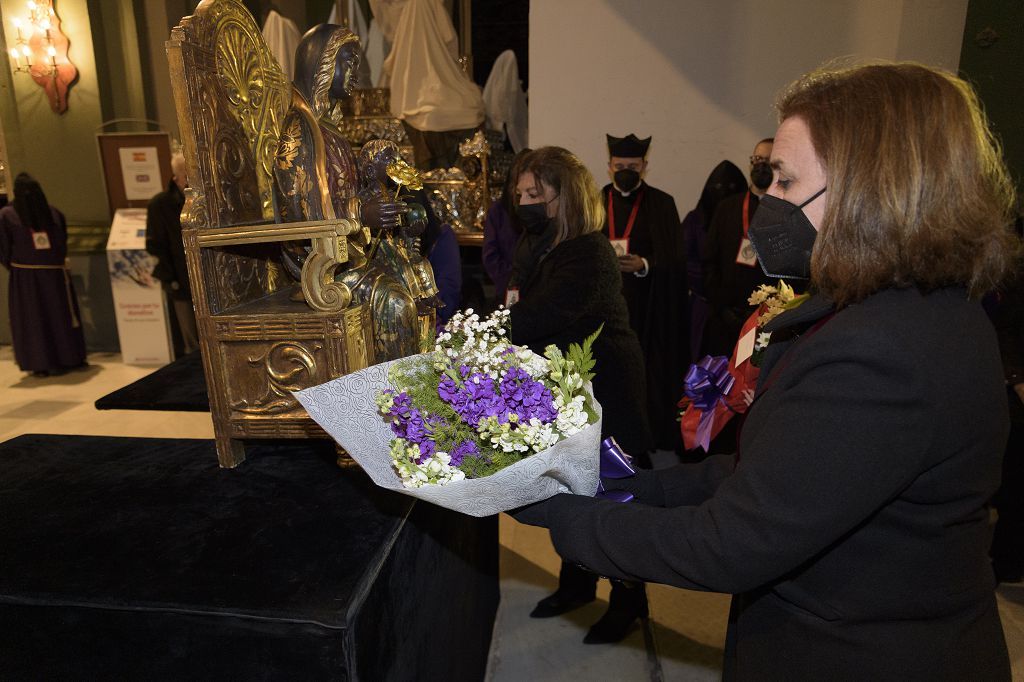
column 163, row 240
column 569, row 294
column 854, row 527
column 657, row 303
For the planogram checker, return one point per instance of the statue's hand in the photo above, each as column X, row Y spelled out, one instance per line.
column 415, row 220
column 380, row 214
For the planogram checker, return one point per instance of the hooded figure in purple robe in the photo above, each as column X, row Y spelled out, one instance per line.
column 45, row 321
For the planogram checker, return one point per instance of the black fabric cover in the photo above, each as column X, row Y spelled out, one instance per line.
column 179, row 387
column 135, row 558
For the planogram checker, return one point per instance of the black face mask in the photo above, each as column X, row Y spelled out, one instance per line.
column 626, row 179
column 783, row 237
column 761, row 175
column 534, row 217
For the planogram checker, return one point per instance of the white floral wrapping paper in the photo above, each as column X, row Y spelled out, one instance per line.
column 346, row 410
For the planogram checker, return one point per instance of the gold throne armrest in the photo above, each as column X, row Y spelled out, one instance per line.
column 329, row 248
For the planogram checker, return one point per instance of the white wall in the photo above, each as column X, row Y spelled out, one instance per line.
column 701, row 75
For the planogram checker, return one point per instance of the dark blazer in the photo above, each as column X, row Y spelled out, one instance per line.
column 853, row 528
column 569, row 294
column 163, row 240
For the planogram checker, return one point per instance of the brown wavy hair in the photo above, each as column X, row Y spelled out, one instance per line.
column 918, row 194
column 580, row 209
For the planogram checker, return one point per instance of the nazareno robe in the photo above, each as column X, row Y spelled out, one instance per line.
column 45, row 321
column 657, row 303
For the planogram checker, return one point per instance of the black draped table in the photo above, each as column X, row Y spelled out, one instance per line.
column 137, row 558
column 179, row 386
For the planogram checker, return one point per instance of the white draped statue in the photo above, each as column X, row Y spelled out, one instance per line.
column 429, row 89
column 282, row 37
column 505, row 101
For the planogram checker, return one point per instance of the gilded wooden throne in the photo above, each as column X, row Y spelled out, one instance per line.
column 258, row 342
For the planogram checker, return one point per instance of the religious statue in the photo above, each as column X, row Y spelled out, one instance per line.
column 394, row 255
column 316, row 177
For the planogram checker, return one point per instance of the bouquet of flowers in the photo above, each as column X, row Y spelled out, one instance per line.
column 717, row 388
column 478, row 425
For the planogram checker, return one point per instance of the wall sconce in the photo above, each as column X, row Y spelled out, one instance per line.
column 41, row 51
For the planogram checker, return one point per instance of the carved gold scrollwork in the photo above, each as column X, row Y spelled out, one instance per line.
column 195, row 214
column 318, row 286
column 257, row 93
column 288, row 367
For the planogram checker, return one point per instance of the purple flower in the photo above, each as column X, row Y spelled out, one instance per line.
column 427, row 448
column 475, row 399
column 466, row 448
column 528, row 397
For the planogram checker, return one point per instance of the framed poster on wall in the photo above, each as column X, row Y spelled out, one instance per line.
column 135, row 167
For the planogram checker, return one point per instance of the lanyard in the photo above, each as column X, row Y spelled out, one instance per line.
column 632, row 216
column 746, row 214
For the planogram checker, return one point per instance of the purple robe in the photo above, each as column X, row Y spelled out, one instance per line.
column 45, row 321
column 444, row 259
column 500, row 239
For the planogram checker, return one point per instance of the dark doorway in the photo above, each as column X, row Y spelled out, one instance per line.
column 500, row 25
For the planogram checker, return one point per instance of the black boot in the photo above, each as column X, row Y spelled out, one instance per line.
column 576, row 587
column 627, row 604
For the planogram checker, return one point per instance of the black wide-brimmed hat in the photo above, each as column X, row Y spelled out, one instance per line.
column 628, row 147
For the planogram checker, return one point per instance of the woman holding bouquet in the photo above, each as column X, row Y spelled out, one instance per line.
column 852, row 525
column 570, row 287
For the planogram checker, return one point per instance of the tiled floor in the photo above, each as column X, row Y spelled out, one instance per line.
column 683, row 642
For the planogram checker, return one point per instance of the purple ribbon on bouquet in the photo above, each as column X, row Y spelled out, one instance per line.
column 615, row 463
column 706, row 383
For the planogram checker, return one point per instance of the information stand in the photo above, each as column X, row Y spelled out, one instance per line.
column 139, row 304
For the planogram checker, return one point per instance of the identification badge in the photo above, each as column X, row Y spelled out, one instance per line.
column 745, row 347
column 511, row 297
column 620, row 246
column 41, row 240
column 746, row 255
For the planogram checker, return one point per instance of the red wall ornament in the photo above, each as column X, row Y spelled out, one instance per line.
column 41, row 50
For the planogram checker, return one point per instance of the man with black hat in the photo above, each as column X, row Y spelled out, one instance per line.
column 731, row 269
column 643, row 227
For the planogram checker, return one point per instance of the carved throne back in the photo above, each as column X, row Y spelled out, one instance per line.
column 258, row 343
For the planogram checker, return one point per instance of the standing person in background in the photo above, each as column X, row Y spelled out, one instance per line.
column 731, row 269
column 853, row 523
column 573, row 290
column 46, row 325
column 501, row 232
column 163, row 241
column 725, row 181
column 643, row 227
